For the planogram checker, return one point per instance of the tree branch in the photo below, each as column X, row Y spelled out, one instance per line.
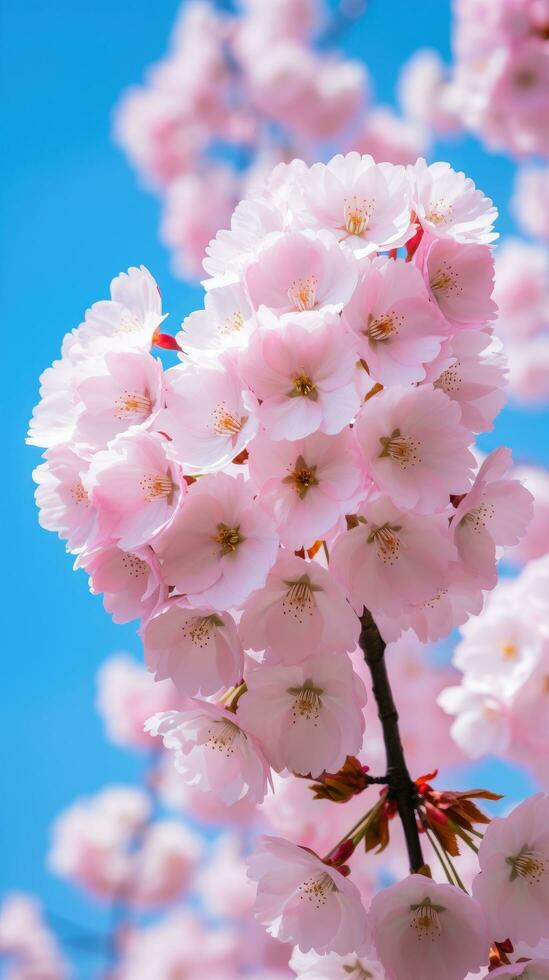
column 402, row 789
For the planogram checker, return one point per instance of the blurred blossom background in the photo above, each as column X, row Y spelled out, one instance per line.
column 75, row 212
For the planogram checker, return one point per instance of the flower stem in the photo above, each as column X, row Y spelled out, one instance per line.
column 402, row 789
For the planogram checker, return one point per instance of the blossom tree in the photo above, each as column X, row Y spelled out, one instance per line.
column 282, row 509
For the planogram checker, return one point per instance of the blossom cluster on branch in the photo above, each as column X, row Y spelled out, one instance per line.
column 306, row 466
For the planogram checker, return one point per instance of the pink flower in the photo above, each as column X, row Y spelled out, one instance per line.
column 495, row 512
column 414, row 447
column 448, row 205
column 54, row 417
column 198, row 649
column 303, row 901
column 224, row 324
column 208, row 417
column 300, row 271
column 163, row 864
column 435, row 617
column 125, row 322
column 307, row 485
column 135, row 487
column 131, row 581
column 361, row 965
column 399, row 330
column 307, row 717
column 126, row 696
column 474, row 374
column 425, row 93
column 535, row 540
column 386, row 136
column 460, row 279
column 213, row 752
column 223, row 884
column 299, row 612
column 513, row 884
column 367, row 205
column 178, row 944
column 222, row 546
column 522, row 289
column 482, row 725
column 119, row 390
column 196, row 205
column 391, row 559
column 63, row 502
column 530, row 201
column 26, row 939
column 424, row 929
column 532, row 969
column 304, row 374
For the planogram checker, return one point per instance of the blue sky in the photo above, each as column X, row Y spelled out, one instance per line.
column 74, row 216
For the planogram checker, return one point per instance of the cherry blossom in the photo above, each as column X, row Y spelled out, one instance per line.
column 448, row 205
column 536, row 969
column 460, row 280
column 63, row 502
column 208, row 417
column 513, row 884
column 535, row 541
column 496, row 511
column 422, row 928
column 300, row 611
column 414, row 447
column 303, row 901
column 307, row 484
column 213, row 752
column 529, row 201
column 307, row 717
column 127, row 696
column 331, row 966
column 365, row 204
column 398, row 328
column 299, row 271
column 304, row 374
column 225, row 323
column 198, row 649
column 221, row 547
column 474, row 374
column 131, row 581
column 135, row 487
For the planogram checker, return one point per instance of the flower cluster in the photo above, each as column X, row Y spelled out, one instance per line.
column 500, row 707
column 309, row 456
column 236, row 94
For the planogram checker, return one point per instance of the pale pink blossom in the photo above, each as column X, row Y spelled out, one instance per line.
column 392, row 559
column 126, row 322
column 472, row 371
column 54, row 417
column 522, row 289
column 191, row 801
column 535, row 540
column 367, row 205
column 300, row 611
column 126, row 696
column 388, row 137
column 494, row 512
column 224, row 324
column 529, row 369
column 163, row 864
column 460, row 279
column 27, row 942
column 513, row 884
column 135, row 487
column 426, row 94
column 178, row 944
column 223, row 884
column 530, row 201
column 308, row 717
column 399, row 329
column 213, row 752
column 304, row 374
column 306, row 485
column 195, row 206
column 434, row 618
column 425, row 929
column 448, row 205
column 131, row 581
column 198, row 649
column 209, row 418
column 299, row 271
column 64, row 505
column 232, row 250
column 222, row 546
column 414, row 448
column 531, row 969
column 482, row 725
column 303, row 901
column 361, row 965
column 119, row 390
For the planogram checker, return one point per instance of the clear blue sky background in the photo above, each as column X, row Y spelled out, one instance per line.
column 74, row 216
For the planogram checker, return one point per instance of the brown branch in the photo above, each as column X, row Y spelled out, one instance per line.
column 402, row 789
